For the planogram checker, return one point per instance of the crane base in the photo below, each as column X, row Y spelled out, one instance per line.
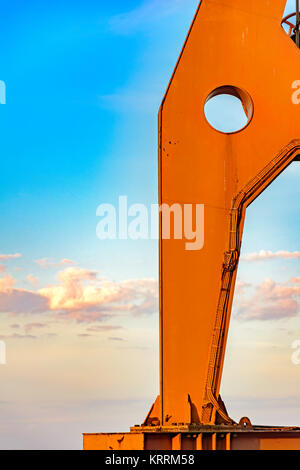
column 197, row 438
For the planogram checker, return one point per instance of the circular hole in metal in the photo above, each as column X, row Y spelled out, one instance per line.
column 228, row 109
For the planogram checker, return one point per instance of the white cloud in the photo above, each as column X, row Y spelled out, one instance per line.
column 7, row 257
column 267, row 255
column 47, row 263
column 81, row 296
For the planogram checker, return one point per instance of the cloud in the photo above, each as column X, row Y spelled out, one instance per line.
column 145, row 293
column 30, row 326
column 19, row 301
column 267, row 255
column 103, row 328
column 47, row 263
column 17, row 336
column 32, row 280
column 7, row 283
column 241, row 286
column 15, row 301
column 146, row 13
column 2, row 268
column 79, row 295
column 7, row 257
column 271, row 301
column 76, row 274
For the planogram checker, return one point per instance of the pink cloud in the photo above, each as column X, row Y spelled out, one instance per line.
column 79, row 295
column 241, row 286
column 30, row 326
column 20, row 301
column 15, row 301
column 267, row 255
column 76, row 274
column 32, row 280
column 7, row 283
column 271, row 301
column 103, row 328
column 47, row 263
column 2, row 268
column 7, row 257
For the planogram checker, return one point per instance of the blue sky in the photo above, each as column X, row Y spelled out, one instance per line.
column 84, row 83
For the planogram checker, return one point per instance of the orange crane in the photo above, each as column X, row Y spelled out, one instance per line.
column 235, row 47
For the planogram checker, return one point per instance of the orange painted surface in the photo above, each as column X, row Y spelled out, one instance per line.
column 234, row 43
column 269, row 439
column 279, row 444
column 120, row 441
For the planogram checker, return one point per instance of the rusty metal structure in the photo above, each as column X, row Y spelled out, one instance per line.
column 257, row 62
